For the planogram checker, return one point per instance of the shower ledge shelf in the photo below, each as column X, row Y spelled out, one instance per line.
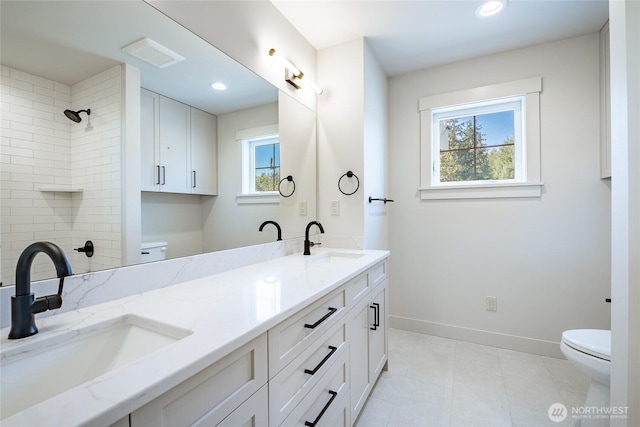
column 61, row 189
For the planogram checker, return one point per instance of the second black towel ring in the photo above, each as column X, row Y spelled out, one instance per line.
column 349, row 174
column 290, row 179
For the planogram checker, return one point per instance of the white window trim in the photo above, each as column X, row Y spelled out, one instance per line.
column 253, row 198
column 531, row 186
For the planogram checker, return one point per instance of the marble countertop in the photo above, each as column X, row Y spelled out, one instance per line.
column 221, row 312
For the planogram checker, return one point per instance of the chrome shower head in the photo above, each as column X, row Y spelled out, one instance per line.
column 74, row 116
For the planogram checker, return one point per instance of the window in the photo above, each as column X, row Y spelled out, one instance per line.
column 478, row 142
column 259, row 161
column 482, row 142
column 262, row 164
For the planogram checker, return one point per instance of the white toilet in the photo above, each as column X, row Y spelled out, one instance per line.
column 153, row 251
column 590, row 351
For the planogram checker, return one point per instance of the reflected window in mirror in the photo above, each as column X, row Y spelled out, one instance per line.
column 261, row 164
column 266, row 170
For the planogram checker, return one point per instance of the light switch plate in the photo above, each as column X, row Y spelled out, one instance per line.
column 302, row 208
column 492, row 304
column 335, row 207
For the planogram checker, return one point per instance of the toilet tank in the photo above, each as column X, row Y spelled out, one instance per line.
column 153, row 251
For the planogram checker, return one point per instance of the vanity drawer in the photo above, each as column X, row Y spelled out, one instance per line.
column 378, row 273
column 357, row 288
column 253, row 412
column 291, row 384
column 322, row 402
column 291, row 337
column 213, row 393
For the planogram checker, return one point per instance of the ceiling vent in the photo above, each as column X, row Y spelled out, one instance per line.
column 153, row 53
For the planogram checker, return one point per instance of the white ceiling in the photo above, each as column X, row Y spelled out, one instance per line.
column 70, row 41
column 410, row 35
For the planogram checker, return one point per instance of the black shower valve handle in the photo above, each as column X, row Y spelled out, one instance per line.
column 87, row 249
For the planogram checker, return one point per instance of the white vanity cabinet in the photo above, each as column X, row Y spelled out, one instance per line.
column 315, row 368
column 367, row 337
column 215, row 393
column 177, row 147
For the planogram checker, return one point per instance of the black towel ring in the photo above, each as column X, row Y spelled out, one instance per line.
column 349, row 174
column 290, row 179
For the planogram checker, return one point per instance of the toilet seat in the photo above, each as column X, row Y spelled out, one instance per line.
column 594, row 342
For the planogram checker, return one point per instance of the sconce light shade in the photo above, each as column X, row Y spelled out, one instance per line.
column 293, row 75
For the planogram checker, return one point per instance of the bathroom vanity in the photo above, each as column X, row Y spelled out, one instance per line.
column 297, row 340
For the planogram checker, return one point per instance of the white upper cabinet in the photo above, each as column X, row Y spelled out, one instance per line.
column 204, row 179
column 178, row 147
column 175, row 131
column 149, row 149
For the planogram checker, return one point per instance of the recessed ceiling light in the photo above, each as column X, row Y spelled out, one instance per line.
column 491, row 7
column 218, row 86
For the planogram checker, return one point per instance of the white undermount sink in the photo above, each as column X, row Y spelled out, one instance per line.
column 41, row 369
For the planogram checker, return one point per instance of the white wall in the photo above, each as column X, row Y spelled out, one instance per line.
column 41, row 147
column 625, row 167
column 545, row 259
column 376, row 214
column 340, row 142
column 36, row 151
column 228, row 224
column 352, row 136
column 173, row 218
column 96, row 213
column 298, row 135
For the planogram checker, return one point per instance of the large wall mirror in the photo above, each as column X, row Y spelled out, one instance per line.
column 63, row 181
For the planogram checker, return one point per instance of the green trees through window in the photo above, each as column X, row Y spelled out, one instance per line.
column 267, row 167
column 477, row 148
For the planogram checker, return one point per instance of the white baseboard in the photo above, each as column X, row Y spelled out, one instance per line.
column 495, row 339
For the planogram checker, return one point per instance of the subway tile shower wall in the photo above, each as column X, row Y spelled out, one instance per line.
column 42, row 148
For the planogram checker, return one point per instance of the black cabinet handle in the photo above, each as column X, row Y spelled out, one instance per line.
column 325, row 317
column 376, row 316
column 322, row 362
column 164, row 175
column 194, row 179
column 315, row 422
column 158, row 175
column 377, row 324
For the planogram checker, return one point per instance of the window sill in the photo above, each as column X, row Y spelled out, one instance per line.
column 269, row 198
column 489, row 191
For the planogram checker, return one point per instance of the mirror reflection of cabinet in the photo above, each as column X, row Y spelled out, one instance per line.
column 177, row 147
column 203, row 172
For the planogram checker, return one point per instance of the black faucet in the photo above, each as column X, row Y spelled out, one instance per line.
column 23, row 304
column 274, row 223
column 307, row 242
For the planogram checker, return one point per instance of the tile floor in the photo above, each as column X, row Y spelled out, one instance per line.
column 435, row 381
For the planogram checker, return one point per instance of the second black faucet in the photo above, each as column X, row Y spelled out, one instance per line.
column 307, row 242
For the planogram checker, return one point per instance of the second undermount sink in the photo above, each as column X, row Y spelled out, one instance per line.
column 39, row 370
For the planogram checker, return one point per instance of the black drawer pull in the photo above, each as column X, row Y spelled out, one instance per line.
column 377, row 324
column 322, row 362
column 325, row 317
column 376, row 316
column 315, row 422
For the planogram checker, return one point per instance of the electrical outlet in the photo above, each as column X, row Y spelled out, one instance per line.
column 302, row 208
column 335, row 207
column 492, row 303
